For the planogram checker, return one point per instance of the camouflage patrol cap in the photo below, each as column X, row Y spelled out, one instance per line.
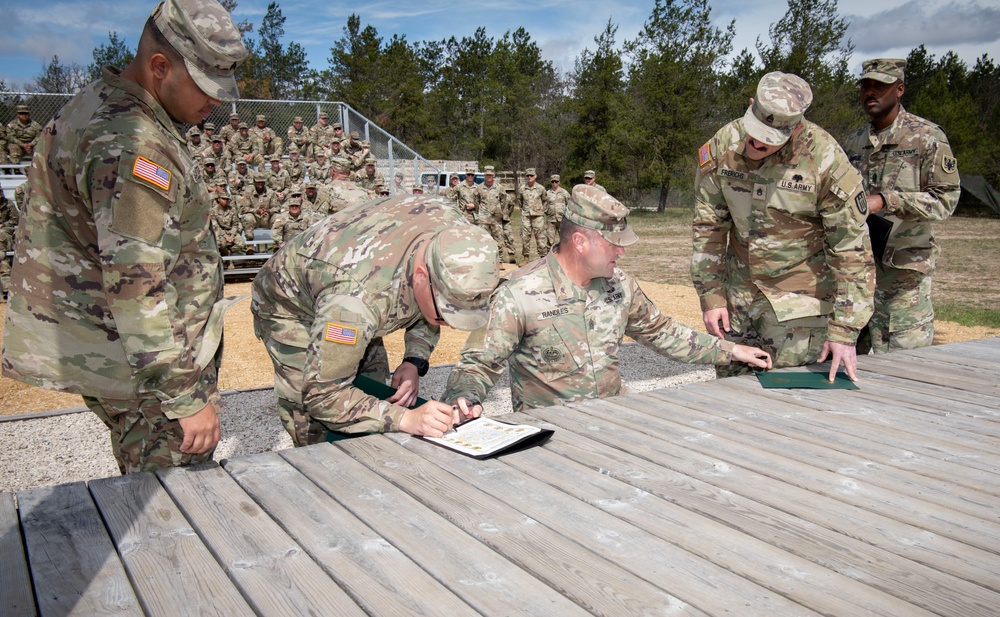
column 417, row 189
column 204, row 34
column 592, row 208
column 310, row 185
column 338, row 125
column 295, row 190
column 321, row 152
column 529, row 171
column 243, row 163
column 365, row 143
column 297, row 119
column 259, row 177
column 209, row 126
column 323, row 115
column 218, row 138
column 885, row 70
column 208, row 160
column 225, row 196
column 369, row 161
column 261, row 118
column 23, row 109
column 234, row 116
column 355, row 136
column 589, row 174
column 295, row 201
column 274, row 159
column 782, row 99
column 340, row 164
column 242, row 125
column 488, row 170
column 195, row 131
column 293, row 149
column 221, row 182
column 464, row 270
column 554, row 178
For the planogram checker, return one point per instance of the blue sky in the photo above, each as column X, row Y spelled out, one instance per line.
column 31, row 32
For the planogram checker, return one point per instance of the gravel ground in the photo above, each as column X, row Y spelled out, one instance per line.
column 74, row 446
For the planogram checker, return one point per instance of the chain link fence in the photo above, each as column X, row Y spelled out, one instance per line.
column 399, row 164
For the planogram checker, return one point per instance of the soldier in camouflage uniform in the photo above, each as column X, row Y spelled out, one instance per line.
column 297, row 135
column 277, row 179
column 294, row 166
column 227, row 227
column 258, row 206
column 340, row 164
column 233, row 128
column 118, row 279
column 465, row 196
column 240, row 179
column 21, row 194
column 320, row 170
column 558, row 199
column 533, row 200
column 316, row 203
column 210, row 173
column 911, row 177
column 223, row 159
column 590, row 179
column 559, row 321
column 361, row 157
column 289, row 224
column 244, row 147
column 490, row 199
column 270, row 143
column 782, row 258
column 344, row 193
column 322, row 304
column 320, row 136
column 195, row 145
column 22, row 135
column 9, row 217
column 369, row 177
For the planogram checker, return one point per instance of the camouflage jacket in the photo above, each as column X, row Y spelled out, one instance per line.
column 226, row 222
column 9, row 217
column 264, row 136
column 320, row 135
column 352, row 272
column 911, row 166
column 532, row 200
column 18, row 133
column 240, row 147
column 557, row 204
column 562, row 341
column 792, row 227
column 296, row 170
column 320, row 206
column 227, row 132
column 223, row 159
column 252, row 201
column 239, row 183
column 117, row 280
column 319, row 173
column 286, row 227
column 300, row 137
column 344, row 193
column 490, row 201
column 465, row 196
column 370, row 182
column 278, row 181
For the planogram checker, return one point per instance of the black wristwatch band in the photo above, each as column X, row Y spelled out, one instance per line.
column 421, row 364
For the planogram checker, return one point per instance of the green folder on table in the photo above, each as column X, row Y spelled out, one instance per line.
column 373, row 388
column 805, row 379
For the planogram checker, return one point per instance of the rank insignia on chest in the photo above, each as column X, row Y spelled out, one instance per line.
column 147, row 170
column 759, row 191
column 551, row 355
column 336, row 333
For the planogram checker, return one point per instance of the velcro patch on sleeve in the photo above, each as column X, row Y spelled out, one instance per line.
column 147, row 170
column 336, row 333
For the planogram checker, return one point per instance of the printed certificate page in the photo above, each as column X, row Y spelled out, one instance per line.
column 484, row 436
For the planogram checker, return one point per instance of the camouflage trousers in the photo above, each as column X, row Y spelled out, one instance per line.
column 470, row 215
column 508, row 240
column 794, row 342
column 142, row 437
column 553, row 231
column 290, row 382
column 495, row 228
column 534, row 227
column 904, row 315
column 236, row 246
column 16, row 152
column 252, row 221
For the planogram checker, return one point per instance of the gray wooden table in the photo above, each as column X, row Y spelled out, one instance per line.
column 717, row 498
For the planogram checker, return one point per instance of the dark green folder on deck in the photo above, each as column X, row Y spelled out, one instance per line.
column 373, row 388
column 808, row 380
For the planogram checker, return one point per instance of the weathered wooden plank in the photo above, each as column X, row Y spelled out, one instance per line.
column 681, row 573
column 982, row 403
column 877, row 499
column 583, row 576
column 731, row 482
column 935, row 364
column 15, row 585
column 955, row 356
column 984, row 348
column 74, row 567
column 806, row 578
column 798, row 433
column 272, row 572
column 171, row 571
column 907, row 368
column 380, row 578
column 484, row 579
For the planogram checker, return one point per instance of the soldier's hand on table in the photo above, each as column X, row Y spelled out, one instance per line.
column 406, row 380
column 712, row 319
column 840, row 353
column 464, row 409
column 432, row 419
column 752, row 356
column 201, row 430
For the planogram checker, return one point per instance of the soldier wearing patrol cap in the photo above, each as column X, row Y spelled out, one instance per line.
column 243, row 147
column 782, row 258
column 118, row 280
column 911, row 177
column 558, row 199
column 322, row 318
column 227, row 132
column 270, row 142
column 590, row 179
column 320, row 136
column 297, row 134
column 490, row 200
column 559, row 321
column 22, row 135
column 277, row 178
column 465, row 196
column 290, row 222
column 533, row 200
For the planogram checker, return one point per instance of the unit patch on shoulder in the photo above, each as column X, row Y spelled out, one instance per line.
column 949, row 164
column 336, row 333
column 705, row 154
column 861, row 202
column 147, row 170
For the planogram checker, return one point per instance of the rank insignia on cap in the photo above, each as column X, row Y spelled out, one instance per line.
column 336, row 333
column 147, row 170
column 704, row 154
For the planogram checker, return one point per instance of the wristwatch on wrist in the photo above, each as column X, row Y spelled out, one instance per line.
column 421, row 364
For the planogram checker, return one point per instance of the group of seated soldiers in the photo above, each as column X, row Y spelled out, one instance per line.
column 263, row 182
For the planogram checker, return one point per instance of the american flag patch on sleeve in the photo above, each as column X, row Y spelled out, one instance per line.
column 704, row 154
column 336, row 333
column 147, row 170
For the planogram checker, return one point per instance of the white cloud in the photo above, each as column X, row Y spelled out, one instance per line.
column 914, row 23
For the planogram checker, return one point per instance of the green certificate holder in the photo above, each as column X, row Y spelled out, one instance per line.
column 806, row 380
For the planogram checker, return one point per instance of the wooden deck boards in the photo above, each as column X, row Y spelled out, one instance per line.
column 715, row 498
